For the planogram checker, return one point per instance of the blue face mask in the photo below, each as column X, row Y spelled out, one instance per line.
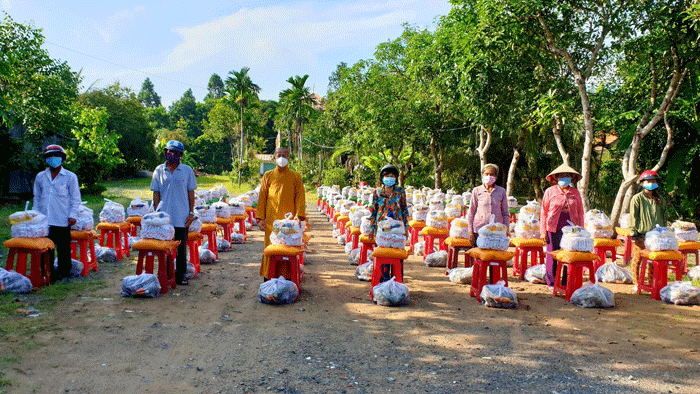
column 54, row 161
column 389, row 181
column 563, row 182
column 650, row 186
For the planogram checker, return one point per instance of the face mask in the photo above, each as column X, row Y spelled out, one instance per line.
column 563, row 182
column 282, row 161
column 172, row 158
column 650, row 186
column 489, row 180
column 54, row 161
column 389, row 181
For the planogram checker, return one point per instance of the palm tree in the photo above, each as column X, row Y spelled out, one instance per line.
column 296, row 103
column 243, row 91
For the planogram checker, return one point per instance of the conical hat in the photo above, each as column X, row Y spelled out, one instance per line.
column 564, row 168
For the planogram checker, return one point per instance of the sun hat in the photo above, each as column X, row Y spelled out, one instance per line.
column 563, row 169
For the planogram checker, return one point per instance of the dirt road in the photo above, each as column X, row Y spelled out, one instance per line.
column 215, row 337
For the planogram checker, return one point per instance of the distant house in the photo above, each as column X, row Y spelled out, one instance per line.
column 319, row 103
column 267, row 162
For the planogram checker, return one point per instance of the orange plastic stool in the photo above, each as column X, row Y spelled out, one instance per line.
column 166, row 252
column 454, row 246
column 430, row 234
column 341, row 223
column 355, row 237
column 280, row 257
column 367, row 245
column 624, row 235
column 688, row 248
column 135, row 222
column 84, row 240
column 523, row 248
column 240, row 219
column 250, row 212
column 227, row 225
column 601, row 247
column 209, row 231
column 194, row 241
column 113, row 233
column 39, row 250
column 660, row 262
column 383, row 257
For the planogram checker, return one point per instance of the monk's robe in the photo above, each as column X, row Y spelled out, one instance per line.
column 281, row 192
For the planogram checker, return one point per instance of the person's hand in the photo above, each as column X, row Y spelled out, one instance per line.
column 370, row 233
column 71, row 221
column 472, row 239
column 189, row 220
column 261, row 224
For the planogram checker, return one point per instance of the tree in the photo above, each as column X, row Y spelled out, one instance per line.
column 244, row 92
column 148, row 96
column 215, row 88
column 296, row 109
column 221, row 126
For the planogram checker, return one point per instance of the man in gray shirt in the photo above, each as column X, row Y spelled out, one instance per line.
column 173, row 185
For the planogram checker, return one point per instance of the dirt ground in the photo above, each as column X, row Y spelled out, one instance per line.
column 214, row 336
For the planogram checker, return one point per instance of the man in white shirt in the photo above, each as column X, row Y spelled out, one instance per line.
column 57, row 195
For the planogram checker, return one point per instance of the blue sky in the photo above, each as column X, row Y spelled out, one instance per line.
column 180, row 44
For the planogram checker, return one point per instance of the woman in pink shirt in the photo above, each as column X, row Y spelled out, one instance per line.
column 487, row 199
column 561, row 203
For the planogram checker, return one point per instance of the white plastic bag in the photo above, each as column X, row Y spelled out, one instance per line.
column 76, row 267
column 420, row 211
column 419, row 248
column 598, row 224
column 205, row 213
column 348, row 248
column 685, row 231
column 576, row 239
column 112, row 212
column 29, row 224
column 155, row 219
column 512, row 202
column 459, row 228
column 195, row 226
column 391, row 234
column 694, row 273
column 612, row 273
column 661, row 238
column 164, row 232
column 206, row 256
column 593, row 296
column 14, row 282
column 222, row 245
column 680, row 293
column 354, row 256
column 287, row 232
column 391, row 293
column 499, row 296
column 536, row 274
column 436, row 259
column 221, row 209
column 85, row 220
column 105, row 255
column 144, row 285
column 278, row 291
column 236, row 208
column 364, row 271
column 436, row 219
column 137, row 207
column 461, row 275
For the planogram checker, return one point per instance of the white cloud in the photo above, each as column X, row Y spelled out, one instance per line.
column 5, row 5
column 113, row 26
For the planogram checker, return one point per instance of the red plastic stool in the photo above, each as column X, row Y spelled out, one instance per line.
column 240, row 219
column 454, row 246
column 341, row 223
column 355, row 236
column 601, row 247
column 430, row 234
column 387, row 257
column 85, row 241
column 166, row 252
column 194, row 241
column 283, row 258
column 39, row 250
column 414, row 229
column 575, row 262
column 623, row 234
column 209, row 231
column 113, row 233
column 367, row 245
column 249, row 211
column 135, row 222
column 660, row 262
column 484, row 263
column 523, row 248
column 227, row 225
column 687, row 248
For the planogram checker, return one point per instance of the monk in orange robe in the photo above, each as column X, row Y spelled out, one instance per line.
column 281, row 192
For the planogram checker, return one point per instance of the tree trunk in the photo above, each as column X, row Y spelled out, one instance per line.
column 556, row 130
column 438, row 163
column 513, row 163
column 485, row 135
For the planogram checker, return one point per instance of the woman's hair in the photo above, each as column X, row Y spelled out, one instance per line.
column 489, row 166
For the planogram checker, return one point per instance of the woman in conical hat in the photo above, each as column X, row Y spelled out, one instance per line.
column 561, row 203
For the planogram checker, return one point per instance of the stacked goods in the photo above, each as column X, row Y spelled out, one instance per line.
column 461, row 275
column 467, row 196
column 356, row 215
column 85, row 220
column 144, row 285
column 345, row 207
column 457, row 200
column 661, row 238
column 245, row 200
column 436, row 204
column 436, row 219
column 286, row 231
column 436, row 259
column 685, row 231
column 420, row 212
column 156, row 225
column 576, row 239
column 236, row 208
column 528, row 224
column 493, row 236
column 278, row 291
column 205, row 195
column 418, row 198
column 598, row 224
column 536, row 274
column 499, row 296
column 217, row 192
column 138, row 207
column 593, row 296
column 391, row 234
column 625, row 220
column 680, row 293
column 29, row 224
column 195, row 226
column 14, row 282
column 453, row 210
column 352, row 194
column 512, row 202
column 365, row 226
column 391, row 293
column 221, row 210
column 205, row 213
column 367, row 196
column 459, row 228
column 112, row 212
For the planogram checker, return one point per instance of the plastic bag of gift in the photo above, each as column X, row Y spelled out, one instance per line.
column 694, row 273
column 236, row 208
column 459, row 228
column 354, row 256
column 391, row 293
column 453, row 210
column 287, row 231
column 661, row 238
column 391, row 234
column 29, row 224
column 536, row 274
column 436, row 259
column 493, row 236
column 512, row 202
column 436, row 219
column 221, row 210
column 237, row 238
column 625, row 220
column 190, row 272
column 112, row 212
column 205, row 213
column 206, row 256
column 14, row 282
column 680, row 293
column 461, row 275
column 342, row 239
column 493, row 228
column 204, row 195
column 420, row 212
column 365, row 226
column 85, row 220
column 195, row 226
column 612, row 273
column 419, row 248
column 144, row 285
column 137, row 207
column 364, row 271
column 576, row 239
column 348, row 248
column 436, row 205
column 358, row 214
column 499, row 296
column 532, row 208
column 164, row 232
column 155, row 219
column 76, row 267
column 685, row 231
column 458, row 200
column 598, row 224
column 105, row 255
column 278, row 291
column 222, row 245
column 133, row 240
column 593, row 296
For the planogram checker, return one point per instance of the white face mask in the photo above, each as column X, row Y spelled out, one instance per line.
column 281, row 161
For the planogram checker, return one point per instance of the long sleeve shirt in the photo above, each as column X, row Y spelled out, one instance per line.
column 485, row 203
column 554, row 202
column 391, row 205
column 57, row 198
column 646, row 213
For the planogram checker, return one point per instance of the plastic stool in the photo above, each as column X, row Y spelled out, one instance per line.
column 483, row 259
column 387, row 256
column 430, row 234
column 166, row 252
column 209, row 230
column 249, row 211
column 227, row 225
column 39, row 250
column 135, row 222
column 341, row 223
column 240, row 219
column 601, row 247
column 660, row 262
column 624, row 235
column 113, row 233
column 367, row 245
column 574, row 277
column 84, row 240
column 454, row 246
column 414, row 229
column 523, row 248
column 355, row 237
column 282, row 255
column 194, row 241
column 687, row 248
